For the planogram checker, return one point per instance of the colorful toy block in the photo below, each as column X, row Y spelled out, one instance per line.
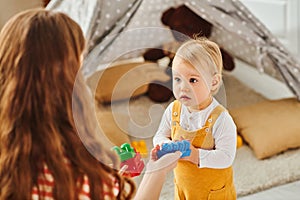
column 131, row 158
column 239, row 141
column 183, row 146
column 140, row 146
column 125, row 151
column 135, row 166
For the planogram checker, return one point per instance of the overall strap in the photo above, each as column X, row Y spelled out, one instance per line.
column 214, row 116
column 176, row 110
column 205, row 140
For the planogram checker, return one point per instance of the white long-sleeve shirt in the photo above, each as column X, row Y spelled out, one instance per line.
column 223, row 131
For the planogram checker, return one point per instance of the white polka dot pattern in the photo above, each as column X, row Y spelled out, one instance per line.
column 236, row 29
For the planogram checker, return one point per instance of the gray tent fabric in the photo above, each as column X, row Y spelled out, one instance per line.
column 122, row 29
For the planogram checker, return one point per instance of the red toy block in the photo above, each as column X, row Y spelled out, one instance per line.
column 135, row 166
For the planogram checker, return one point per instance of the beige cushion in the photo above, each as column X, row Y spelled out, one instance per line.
column 123, row 81
column 269, row 127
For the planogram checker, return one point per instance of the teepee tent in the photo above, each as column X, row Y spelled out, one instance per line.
column 124, row 29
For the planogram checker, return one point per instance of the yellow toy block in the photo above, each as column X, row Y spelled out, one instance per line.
column 239, row 141
column 141, row 147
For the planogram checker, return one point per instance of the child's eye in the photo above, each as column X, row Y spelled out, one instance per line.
column 176, row 79
column 193, row 80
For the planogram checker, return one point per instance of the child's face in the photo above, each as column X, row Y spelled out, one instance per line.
column 189, row 86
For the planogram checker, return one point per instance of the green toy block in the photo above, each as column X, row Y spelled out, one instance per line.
column 125, row 152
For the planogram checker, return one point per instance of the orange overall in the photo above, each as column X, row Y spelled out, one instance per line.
column 192, row 182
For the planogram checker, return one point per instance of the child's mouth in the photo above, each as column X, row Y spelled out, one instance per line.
column 184, row 98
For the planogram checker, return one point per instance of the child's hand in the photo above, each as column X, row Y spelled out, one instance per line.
column 194, row 156
column 153, row 155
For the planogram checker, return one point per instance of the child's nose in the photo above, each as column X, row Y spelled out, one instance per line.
column 185, row 86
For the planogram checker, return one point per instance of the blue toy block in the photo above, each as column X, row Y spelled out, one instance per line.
column 182, row 146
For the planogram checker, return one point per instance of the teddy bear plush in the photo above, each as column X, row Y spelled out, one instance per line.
column 185, row 21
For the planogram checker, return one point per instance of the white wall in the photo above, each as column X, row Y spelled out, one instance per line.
column 282, row 18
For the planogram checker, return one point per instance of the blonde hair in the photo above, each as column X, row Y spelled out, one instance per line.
column 40, row 55
column 204, row 55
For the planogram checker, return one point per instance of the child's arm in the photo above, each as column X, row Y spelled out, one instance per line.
column 222, row 156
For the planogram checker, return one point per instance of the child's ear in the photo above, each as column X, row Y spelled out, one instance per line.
column 216, row 81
